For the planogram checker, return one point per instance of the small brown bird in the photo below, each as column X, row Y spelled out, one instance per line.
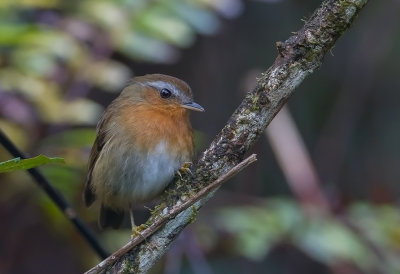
column 143, row 138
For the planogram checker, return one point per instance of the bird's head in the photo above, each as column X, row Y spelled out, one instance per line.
column 161, row 91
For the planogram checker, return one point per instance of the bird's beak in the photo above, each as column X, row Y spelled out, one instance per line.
column 193, row 106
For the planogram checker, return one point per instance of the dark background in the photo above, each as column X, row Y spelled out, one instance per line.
column 346, row 113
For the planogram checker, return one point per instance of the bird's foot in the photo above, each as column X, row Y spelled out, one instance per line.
column 137, row 229
column 185, row 169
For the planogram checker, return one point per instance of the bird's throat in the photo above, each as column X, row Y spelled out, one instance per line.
column 148, row 125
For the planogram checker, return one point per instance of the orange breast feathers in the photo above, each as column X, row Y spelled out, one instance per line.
column 150, row 124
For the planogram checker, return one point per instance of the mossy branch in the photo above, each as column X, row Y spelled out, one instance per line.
column 297, row 58
column 166, row 215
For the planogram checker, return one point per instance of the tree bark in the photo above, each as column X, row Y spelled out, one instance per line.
column 297, row 57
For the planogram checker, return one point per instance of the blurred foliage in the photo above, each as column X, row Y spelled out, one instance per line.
column 59, row 51
column 18, row 164
column 62, row 61
column 54, row 53
column 365, row 235
column 58, row 57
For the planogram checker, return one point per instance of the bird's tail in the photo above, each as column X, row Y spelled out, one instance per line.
column 110, row 217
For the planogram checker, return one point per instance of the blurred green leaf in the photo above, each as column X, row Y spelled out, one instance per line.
column 15, row 132
column 54, row 42
column 30, row 4
column 142, row 47
column 258, row 228
column 202, row 20
column 163, row 25
column 380, row 223
column 107, row 74
column 34, row 61
column 76, row 138
column 65, row 178
column 96, row 9
column 10, row 34
column 324, row 237
column 329, row 241
column 18, row 164
column 54, row 108
column 77, row 111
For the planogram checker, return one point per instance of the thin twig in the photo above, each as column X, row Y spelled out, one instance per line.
column 57, row 198
column 171, row 214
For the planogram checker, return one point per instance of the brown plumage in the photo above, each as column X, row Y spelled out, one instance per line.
column 143, row 138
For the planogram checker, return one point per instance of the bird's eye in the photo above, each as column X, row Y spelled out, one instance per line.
column 165, row 93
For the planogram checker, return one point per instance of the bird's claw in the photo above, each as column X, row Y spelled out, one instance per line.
column 184, row 169
column 137, row 229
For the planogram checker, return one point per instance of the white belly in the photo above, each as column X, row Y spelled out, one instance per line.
column 136, row 177
column 146, row 178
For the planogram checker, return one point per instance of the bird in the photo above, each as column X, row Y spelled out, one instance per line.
column 142, row 139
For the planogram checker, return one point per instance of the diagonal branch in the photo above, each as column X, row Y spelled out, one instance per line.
column 298, row 57
column 172, row 213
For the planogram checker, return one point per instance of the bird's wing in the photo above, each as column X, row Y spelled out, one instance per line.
column 88, row 195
